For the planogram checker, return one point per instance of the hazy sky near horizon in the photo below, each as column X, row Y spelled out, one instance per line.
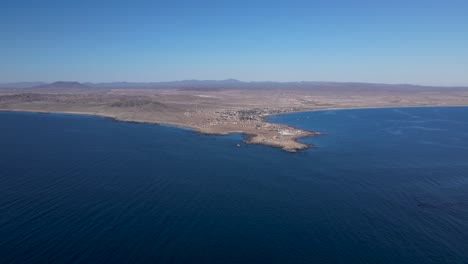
column 399, row 41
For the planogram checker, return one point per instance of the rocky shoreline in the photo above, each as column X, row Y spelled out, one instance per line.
column 255, row 130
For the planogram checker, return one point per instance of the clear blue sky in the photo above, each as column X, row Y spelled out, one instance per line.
column 411, row 41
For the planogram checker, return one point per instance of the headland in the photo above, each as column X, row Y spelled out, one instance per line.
column 220, row 108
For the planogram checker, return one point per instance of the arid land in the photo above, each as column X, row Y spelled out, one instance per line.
column 222, row 110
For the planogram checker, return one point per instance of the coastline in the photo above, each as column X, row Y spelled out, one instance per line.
column 364, row 108
column 249, row 138
column 291, row 145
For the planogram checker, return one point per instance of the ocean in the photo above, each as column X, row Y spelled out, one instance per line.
column 379, row 186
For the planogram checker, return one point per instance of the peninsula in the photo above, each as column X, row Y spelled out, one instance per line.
column 221, row 107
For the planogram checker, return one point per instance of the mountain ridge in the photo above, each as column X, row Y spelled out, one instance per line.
column 221, row 84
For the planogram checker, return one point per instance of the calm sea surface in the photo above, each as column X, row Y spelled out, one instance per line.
column 382, row 186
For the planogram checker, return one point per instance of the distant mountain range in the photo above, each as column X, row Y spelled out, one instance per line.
column 62, row 85
column 21, row 84
column 209, row 84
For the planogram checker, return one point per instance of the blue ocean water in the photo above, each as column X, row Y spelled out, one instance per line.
column 382, row 186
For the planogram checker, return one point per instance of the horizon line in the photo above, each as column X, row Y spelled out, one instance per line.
column 231, row 80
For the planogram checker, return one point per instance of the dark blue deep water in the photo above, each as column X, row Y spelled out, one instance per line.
column 383, row 186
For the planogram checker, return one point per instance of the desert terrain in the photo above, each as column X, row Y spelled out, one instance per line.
column 222, row 107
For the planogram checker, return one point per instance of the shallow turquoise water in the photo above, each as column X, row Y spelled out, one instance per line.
column 383, row 186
